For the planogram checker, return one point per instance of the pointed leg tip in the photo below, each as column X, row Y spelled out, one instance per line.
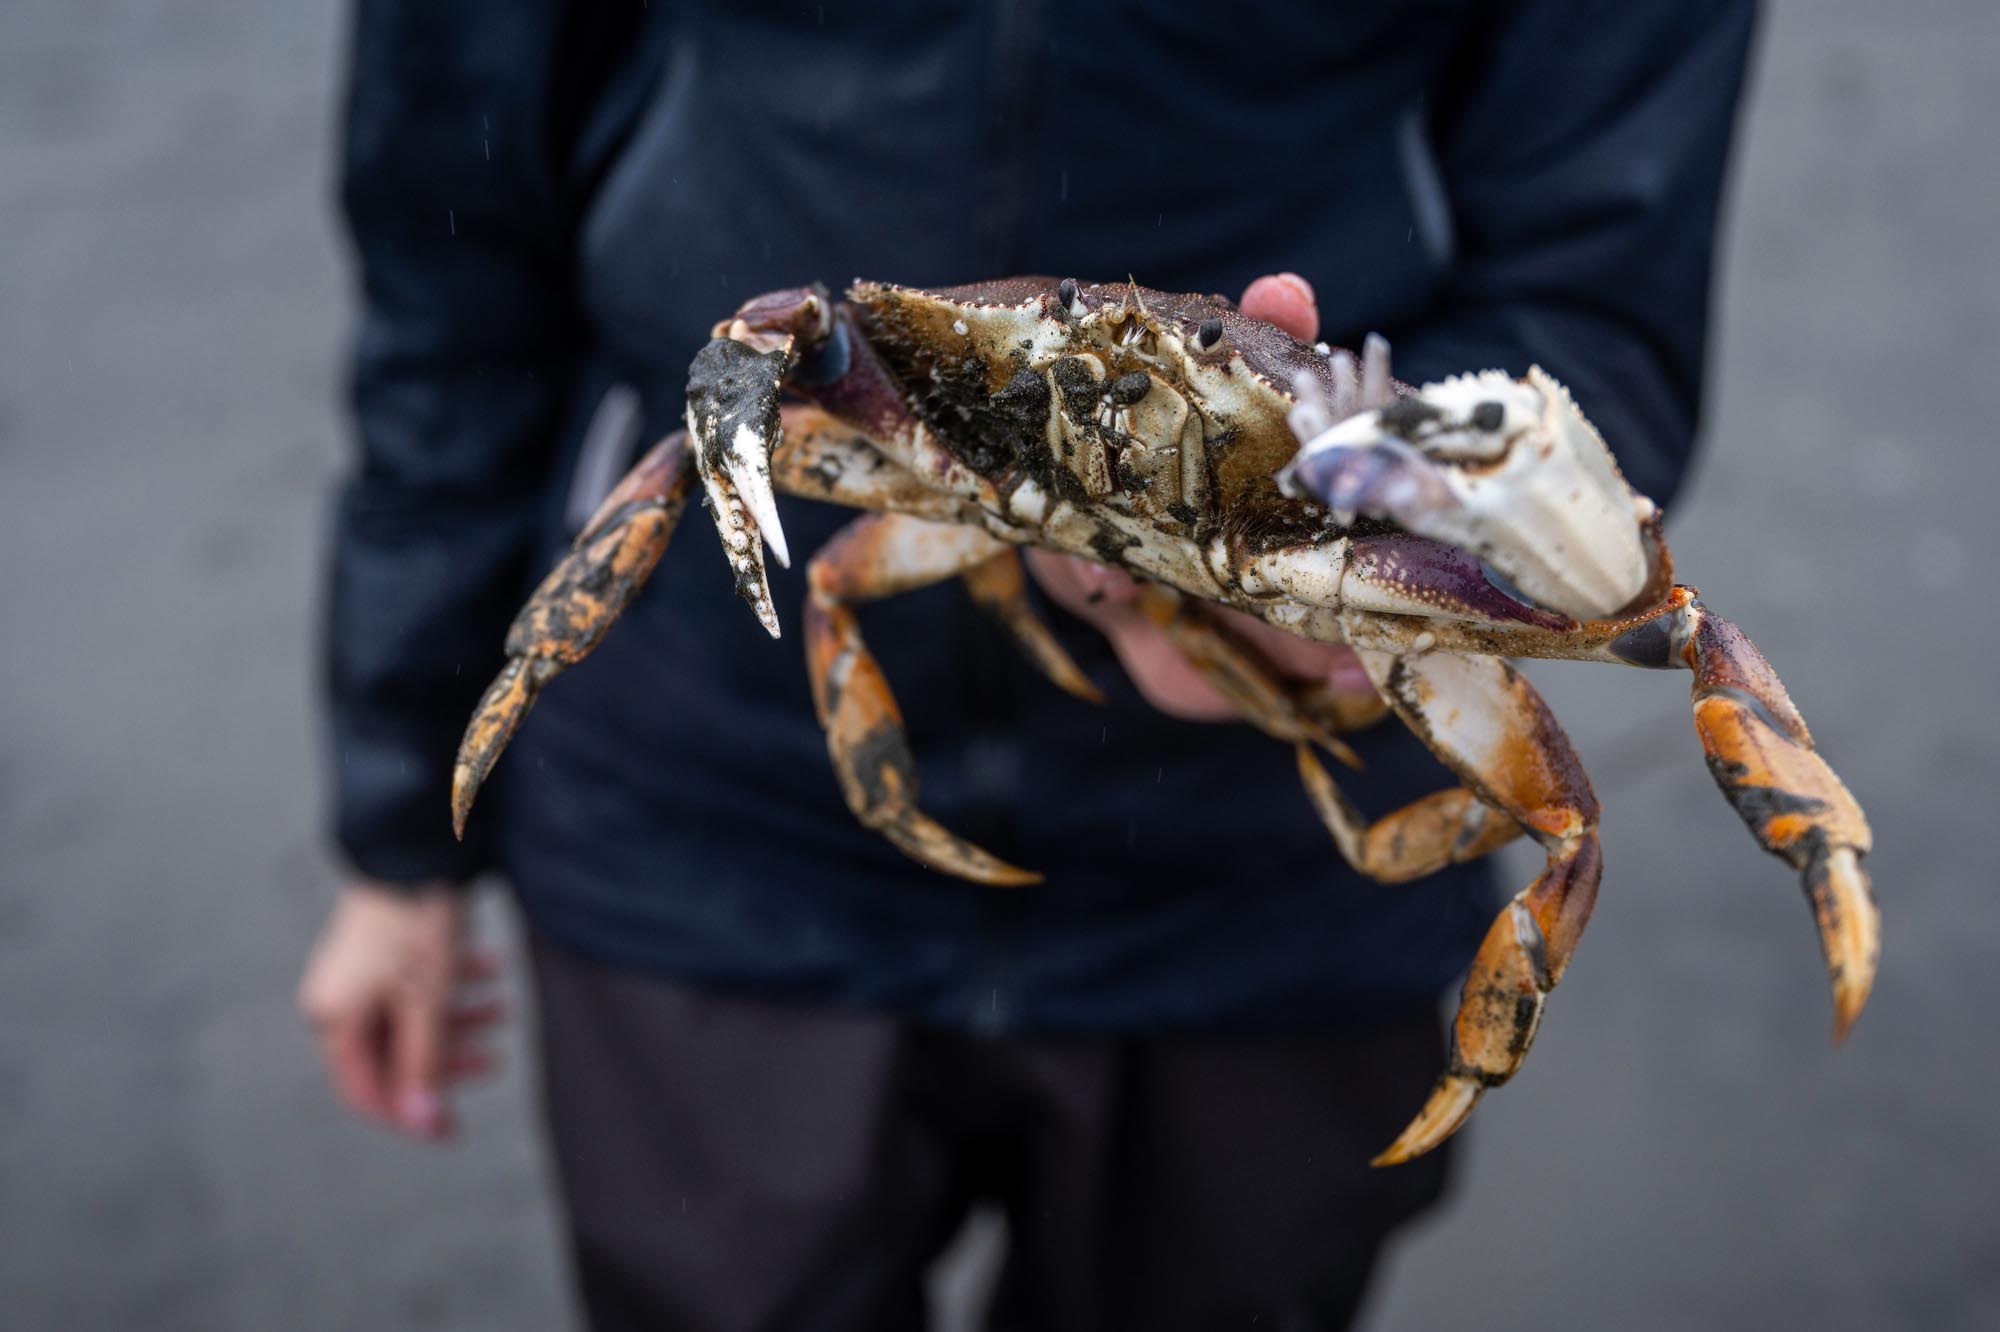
column 464, row 790
column 931, row 844
column 1446, row 1110
column 1850, row 933
column 970, row 862
column 1849, row 1003
column 1088, row 692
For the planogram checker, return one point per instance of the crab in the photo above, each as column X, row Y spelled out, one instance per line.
column 1441, row 531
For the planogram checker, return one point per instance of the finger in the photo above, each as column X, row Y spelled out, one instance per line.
column 1347, row 674
column 1291, row 656
column 417, row 1042
column 1164, row 677
column 355, row 1057
column 1284, row 299
column 1078, row 582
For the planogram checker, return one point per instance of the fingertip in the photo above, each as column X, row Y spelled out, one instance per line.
column 1284, row 299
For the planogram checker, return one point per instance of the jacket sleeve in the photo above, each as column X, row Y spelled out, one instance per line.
column 460, row 373
column 1582, row 150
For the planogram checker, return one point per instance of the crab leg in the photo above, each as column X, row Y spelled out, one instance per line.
column 605, row 568
column 1758, row 747
column 576, row 604
column 1448, row 827
column 879, row 555
column 999, row 588
column 822, row 458
column 1271, row 704
column 1445, row 828
column 1762, row 757
column 1484, row 720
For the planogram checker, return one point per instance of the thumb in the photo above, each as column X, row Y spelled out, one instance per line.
column 418, row 1039
column 1284, row 299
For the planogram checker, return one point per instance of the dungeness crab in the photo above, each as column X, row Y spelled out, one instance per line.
column 1440, row 531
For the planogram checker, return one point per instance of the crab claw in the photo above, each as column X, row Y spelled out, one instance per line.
column 748, row 464
column 733, row 421
column 1506, row 469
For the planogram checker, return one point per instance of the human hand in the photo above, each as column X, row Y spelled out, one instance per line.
column 1104, row 596
column 390, row 991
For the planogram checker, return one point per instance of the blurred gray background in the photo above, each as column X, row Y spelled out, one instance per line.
column 1684, row 1150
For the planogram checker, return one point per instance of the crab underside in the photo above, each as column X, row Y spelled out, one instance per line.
column 1441, row 531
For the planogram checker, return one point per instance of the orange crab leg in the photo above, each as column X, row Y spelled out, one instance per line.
column 1758, row 747
column 879, row 555
column 1447, row 827
column 1762, row 757
column 1487, row 723
column 611, row 559
column 605, row 568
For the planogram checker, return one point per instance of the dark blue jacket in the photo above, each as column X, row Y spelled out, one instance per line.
column 547, row 199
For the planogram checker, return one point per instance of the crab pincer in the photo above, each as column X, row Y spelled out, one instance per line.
column 734, row 387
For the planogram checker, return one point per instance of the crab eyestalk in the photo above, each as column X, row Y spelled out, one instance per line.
column 1508, row 470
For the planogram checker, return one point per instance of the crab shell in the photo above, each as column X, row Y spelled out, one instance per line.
column 1173, row 408
column 1183, row 412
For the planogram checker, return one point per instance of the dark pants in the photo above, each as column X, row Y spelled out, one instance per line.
column 737, row 1163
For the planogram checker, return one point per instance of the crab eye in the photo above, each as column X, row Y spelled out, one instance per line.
column 1209, row 335
column 1489, row 416
column 1067, row 293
